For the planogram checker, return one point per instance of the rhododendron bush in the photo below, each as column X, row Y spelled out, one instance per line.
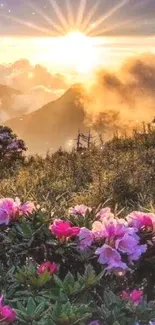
column 90, row 267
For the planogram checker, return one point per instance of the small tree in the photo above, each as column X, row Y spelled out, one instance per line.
column 11, row 148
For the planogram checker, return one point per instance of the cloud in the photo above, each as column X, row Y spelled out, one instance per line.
column 122, row 100
column 23, row 76
column 37, row 85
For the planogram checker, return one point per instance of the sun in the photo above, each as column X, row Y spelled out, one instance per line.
column 77, row 51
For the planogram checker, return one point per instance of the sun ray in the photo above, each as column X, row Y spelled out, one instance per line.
column 57, row 27
column 107, row 15
column 71, row 19
column 80, row 14
column 90, row 16
column 60, row 14
column 114, row 27
column 28, row 24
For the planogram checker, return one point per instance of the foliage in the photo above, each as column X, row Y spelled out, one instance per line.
column 11, row 148
column 48, row 277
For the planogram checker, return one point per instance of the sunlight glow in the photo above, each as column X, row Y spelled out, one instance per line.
column 78, row 52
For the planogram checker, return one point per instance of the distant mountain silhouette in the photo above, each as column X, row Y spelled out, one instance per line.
column 54, row 124
column 6, row 94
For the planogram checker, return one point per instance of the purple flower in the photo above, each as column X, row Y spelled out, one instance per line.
column 111, row 257
column 80, row 210
column 118, row 267
column 137, row 252
column 94, row 322
column 107, row 254
column 86, row 238
column 127, row 244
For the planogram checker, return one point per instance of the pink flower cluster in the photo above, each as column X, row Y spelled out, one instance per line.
column 63, row 230
column 118, row 241
column 134, row 296
column 11, row 209
column 141, row 221
column 7, row 314
column 48, row 266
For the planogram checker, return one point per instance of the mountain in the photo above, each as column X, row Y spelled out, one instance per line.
column 6, row 96
column 54, row 124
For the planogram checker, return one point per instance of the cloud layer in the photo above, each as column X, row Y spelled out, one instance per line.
column 36, row 84
column 124, row 99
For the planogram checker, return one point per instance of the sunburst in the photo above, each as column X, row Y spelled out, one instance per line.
column 75, row 32
column 83, row 20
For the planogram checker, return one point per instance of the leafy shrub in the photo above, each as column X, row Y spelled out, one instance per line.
column 11, row 148
column 76, row 270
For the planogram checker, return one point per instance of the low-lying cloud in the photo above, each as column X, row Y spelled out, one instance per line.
column 122, row 100
column 36, row 84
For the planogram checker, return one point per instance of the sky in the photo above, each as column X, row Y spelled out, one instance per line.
column 35, row 30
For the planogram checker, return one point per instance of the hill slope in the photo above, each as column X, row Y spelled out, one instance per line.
column 52, row 125
column 6, row 95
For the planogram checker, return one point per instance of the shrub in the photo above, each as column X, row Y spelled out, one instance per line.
column 11, row 148
column 76, row 270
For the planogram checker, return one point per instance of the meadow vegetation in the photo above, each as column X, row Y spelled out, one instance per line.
column 78, row 248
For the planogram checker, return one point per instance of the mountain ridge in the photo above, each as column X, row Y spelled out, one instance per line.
column 54, row 124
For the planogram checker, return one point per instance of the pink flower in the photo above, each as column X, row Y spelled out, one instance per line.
column 135, row 296
column 141, row 220
column 27, row 208
column 8, row 209
column 63, row 229
column 80, row 210
column 86, row 238
column 48, row 266
column 104, row 213
column 94, row 322
column 6, row 313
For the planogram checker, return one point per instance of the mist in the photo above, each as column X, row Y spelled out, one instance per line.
column 122, row 100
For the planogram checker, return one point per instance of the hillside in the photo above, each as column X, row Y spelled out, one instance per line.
column 53, row 125
column 6, row 95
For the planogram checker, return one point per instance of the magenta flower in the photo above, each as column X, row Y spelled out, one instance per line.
column 63, row 229
column 8, row 209
column 6, row 313
column 48, row 266
column 27, row 208
column 80, row 210
column 135, row 296
column 141, row 220
column 86, row 238
column 11, row 210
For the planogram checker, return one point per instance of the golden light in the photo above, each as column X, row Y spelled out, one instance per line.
column 30, row 75
column 76, row 51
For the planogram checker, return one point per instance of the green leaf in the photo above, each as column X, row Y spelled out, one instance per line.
column 31, row 306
